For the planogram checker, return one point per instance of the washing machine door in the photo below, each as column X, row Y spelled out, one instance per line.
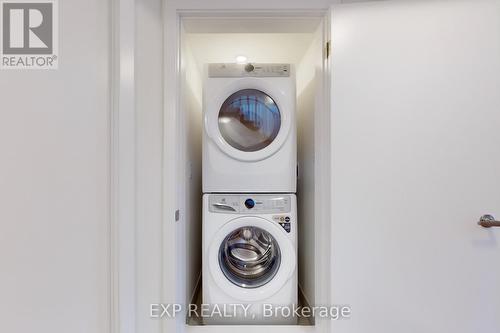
column 250, row 119
column 251, row 258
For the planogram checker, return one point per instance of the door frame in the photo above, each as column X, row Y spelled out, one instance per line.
column 122, row 155
column 173, row 133
column 123, row 158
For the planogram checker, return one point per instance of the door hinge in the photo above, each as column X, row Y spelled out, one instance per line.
column 328, row 48
column 177, row 215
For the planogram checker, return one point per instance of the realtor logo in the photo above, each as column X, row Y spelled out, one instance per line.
column 29, row 34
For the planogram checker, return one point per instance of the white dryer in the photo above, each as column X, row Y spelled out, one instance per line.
column 250, row 257
column 249, row 137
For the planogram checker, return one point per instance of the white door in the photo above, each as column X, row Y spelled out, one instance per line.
column 416, row 162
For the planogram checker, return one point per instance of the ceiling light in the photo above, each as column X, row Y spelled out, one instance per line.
column 241, row 59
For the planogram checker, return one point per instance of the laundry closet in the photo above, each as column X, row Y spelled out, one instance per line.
column 297, row 43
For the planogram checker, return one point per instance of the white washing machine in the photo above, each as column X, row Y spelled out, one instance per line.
column 250, row 258
column 249, row 140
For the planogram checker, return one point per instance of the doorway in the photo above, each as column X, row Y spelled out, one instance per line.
column 300, row 39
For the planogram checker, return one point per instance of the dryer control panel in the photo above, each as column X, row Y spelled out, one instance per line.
column 246, row 203
column 248, row 70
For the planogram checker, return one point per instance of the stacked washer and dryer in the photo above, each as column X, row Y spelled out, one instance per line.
column 249, row 184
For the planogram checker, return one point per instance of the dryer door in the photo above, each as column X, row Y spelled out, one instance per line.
column 251, row 258
column 250, row 119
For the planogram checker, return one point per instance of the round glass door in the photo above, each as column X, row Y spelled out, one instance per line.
column 249, row 257
column 249, row 120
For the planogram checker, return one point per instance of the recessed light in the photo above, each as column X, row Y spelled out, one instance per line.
column 241, row 59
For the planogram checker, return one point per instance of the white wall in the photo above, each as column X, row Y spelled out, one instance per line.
column 309, row 78
column 257, row 47
column 190, row 167
column 54, row 183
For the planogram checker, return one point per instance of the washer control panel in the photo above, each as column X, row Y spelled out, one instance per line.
column 246, row 203
column 248, row 70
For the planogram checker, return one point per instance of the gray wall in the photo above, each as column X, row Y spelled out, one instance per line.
column 54, row 166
